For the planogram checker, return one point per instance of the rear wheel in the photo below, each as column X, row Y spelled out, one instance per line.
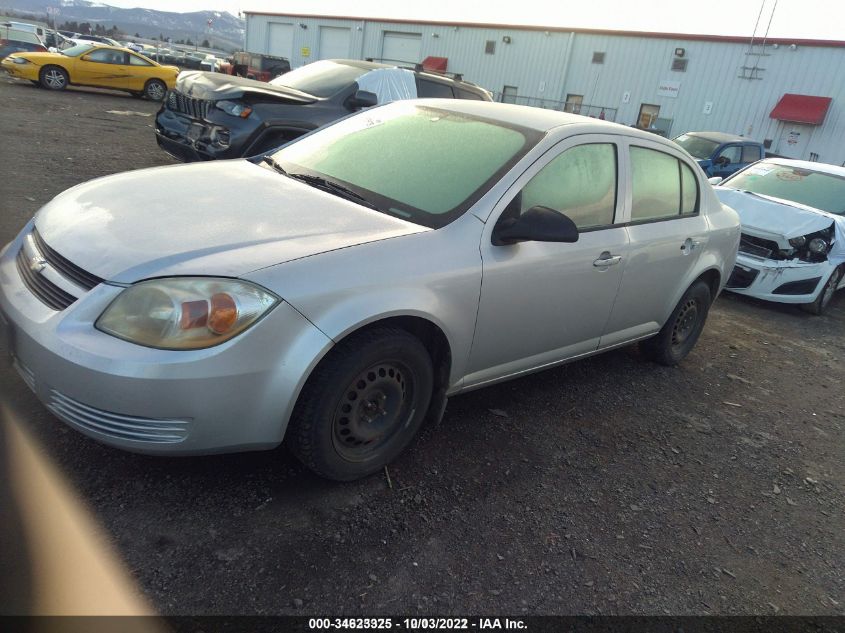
column 818, row 306
column 362, row 405
column 53, row 78
column 681, row 331
column 155, row 89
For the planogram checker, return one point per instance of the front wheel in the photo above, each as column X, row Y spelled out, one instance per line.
column 818, row 306
column 362, row 405
column 155, row 89
column 681, row 331
column 53, row 78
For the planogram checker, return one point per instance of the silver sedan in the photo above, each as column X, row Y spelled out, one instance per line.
column 335, row 292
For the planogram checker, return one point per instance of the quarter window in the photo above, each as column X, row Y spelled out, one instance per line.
column 433, row 89
column 662, row 186
column 581, row 183
column 134, row 60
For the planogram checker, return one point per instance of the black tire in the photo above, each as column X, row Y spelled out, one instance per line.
column 155, row 89
column 36, row 83
column 681, row 331
column 818, row 306
column 362, row 405
column 53, row 78
column 137, row 95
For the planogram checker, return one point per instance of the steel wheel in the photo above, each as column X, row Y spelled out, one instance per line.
column 683, row 327
column 685, row 323
column 374, row 408
column 363, row 404
column 54, row 78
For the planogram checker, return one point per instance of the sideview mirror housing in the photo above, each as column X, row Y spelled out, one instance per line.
column 537, row 224
column 715, row 180
column 363, row 99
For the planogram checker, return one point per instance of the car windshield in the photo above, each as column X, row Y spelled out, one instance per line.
column 76, row 51
column 422, row 164
column 321, row 79
column 697, row 146
column 805, row 186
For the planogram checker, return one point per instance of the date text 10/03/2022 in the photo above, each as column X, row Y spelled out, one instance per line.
column 418, row 624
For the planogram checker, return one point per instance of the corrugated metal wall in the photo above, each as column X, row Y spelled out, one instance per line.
column 549, row 65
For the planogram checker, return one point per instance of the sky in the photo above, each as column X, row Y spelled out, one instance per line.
column 804, row 19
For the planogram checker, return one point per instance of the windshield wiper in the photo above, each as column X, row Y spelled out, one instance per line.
column 274, row 164
column 333, row 187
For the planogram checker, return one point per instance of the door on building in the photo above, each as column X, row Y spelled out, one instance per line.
column 280, row 39
column 509, row 94
column 402, row 47
column 794, row 139
column 648, row 115
column 334, row 42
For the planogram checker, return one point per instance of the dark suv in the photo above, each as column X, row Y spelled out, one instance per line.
column 212, row 115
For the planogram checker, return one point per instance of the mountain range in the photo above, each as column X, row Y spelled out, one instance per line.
column 226, row 31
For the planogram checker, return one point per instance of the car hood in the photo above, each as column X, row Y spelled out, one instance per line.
column 223, row 218
column 774, row 216
column 210, row 85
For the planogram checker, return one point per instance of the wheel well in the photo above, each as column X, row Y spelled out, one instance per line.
column 435, row 341
column 713, row 280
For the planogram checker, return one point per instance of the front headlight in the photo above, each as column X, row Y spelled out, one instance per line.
column 20, row 60
column 817, row 245
column 235, row 108
column 185, row 312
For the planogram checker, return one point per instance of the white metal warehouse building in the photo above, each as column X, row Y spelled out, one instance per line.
column 790, row 94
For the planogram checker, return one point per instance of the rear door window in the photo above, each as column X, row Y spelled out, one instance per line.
column 662, row 186
column 427, row 89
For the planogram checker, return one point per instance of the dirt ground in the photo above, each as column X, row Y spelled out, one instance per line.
column 608, row 486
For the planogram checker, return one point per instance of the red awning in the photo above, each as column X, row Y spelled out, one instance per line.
column 801, row 109
column 435, row 63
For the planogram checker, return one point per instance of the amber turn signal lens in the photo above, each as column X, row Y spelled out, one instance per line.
column 223, row 314
column 194, row 314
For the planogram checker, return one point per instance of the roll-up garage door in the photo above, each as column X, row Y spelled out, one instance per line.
column 402, row 47
column 280, row 39
column 334, row 42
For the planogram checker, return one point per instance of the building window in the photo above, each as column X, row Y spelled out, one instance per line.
column 573, row 103
column 648, row 115
column 490, row 47
column 509, row 94
column 598, row 57
column 679, row 65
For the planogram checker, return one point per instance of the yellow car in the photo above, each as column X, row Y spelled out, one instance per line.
column 94, row 65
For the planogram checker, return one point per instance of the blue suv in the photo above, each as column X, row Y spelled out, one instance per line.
column 720, row 154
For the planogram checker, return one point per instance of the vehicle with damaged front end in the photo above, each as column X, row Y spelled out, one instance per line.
column 216, row 116
column 330, row 294
column 793, row 231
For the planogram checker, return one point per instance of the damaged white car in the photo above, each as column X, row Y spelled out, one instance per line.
column 793, row 231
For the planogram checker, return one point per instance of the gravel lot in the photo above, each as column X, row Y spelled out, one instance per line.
column 608, row 486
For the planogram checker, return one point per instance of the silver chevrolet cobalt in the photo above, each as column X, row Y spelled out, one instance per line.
column 335, row 292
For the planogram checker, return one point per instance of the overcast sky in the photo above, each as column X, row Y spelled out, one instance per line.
column 809, row 19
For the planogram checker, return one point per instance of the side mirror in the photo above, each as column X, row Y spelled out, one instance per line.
column 538, row 224
column 53, row 49
column 722, row 160
column 362, row 99
column 715, row 180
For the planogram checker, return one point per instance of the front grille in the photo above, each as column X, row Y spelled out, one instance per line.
column 196, row 108
column 117, row 425
column 80, row 277
column 48, row 292
column 741, row 278
column 757, row 246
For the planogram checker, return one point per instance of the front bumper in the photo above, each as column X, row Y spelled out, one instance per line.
column 233, row 397
column 190, row 139
column 21, row 71
column 776, row 280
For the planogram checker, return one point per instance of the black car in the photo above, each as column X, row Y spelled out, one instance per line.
column 212, row 115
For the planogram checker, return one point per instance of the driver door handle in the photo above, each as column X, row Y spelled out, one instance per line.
column 606, row 259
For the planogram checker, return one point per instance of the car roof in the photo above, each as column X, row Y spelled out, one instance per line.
column 366, row 65
column 826, row 168
column 538, row 119
column 721, row 137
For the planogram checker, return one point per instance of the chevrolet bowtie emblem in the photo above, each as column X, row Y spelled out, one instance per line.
column 37, row 264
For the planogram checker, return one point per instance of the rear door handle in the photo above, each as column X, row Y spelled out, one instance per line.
column 690, row 245
column 606, row 259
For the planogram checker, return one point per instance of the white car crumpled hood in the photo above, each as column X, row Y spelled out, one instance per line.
column 223, row 218
column 769, row 216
